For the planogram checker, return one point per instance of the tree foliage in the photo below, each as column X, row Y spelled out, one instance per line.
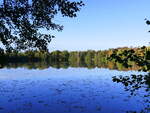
column 147, row 22
column 134, row 85
column 22, row 20
column 61, row 59
column 140, row 56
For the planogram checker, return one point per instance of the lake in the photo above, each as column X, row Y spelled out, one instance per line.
column 73, row 90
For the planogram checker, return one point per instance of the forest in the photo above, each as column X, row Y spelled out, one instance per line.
column 120, row 58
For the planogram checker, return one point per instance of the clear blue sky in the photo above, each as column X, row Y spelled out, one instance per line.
column 103, row 24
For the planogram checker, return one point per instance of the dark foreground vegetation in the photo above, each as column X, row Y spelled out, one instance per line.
column 139, row 56
column 135, row 83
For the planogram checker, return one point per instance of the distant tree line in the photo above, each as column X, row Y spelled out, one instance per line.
column 55, row 56
column 74, row 58
column 112, row 58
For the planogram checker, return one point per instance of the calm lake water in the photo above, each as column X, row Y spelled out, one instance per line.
column 71, row 90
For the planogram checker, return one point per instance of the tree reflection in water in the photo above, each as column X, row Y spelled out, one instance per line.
column 134, row 84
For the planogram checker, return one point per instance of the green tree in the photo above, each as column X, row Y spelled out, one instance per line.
column 55, row 56
column 89, row 58
column 64, row 56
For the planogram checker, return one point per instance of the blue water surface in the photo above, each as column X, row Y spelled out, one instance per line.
column 72, row 90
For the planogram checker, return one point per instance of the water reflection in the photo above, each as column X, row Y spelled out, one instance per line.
column 53, row 87
column 90, row 65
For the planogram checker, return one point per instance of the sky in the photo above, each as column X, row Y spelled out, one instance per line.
column 104, row 24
